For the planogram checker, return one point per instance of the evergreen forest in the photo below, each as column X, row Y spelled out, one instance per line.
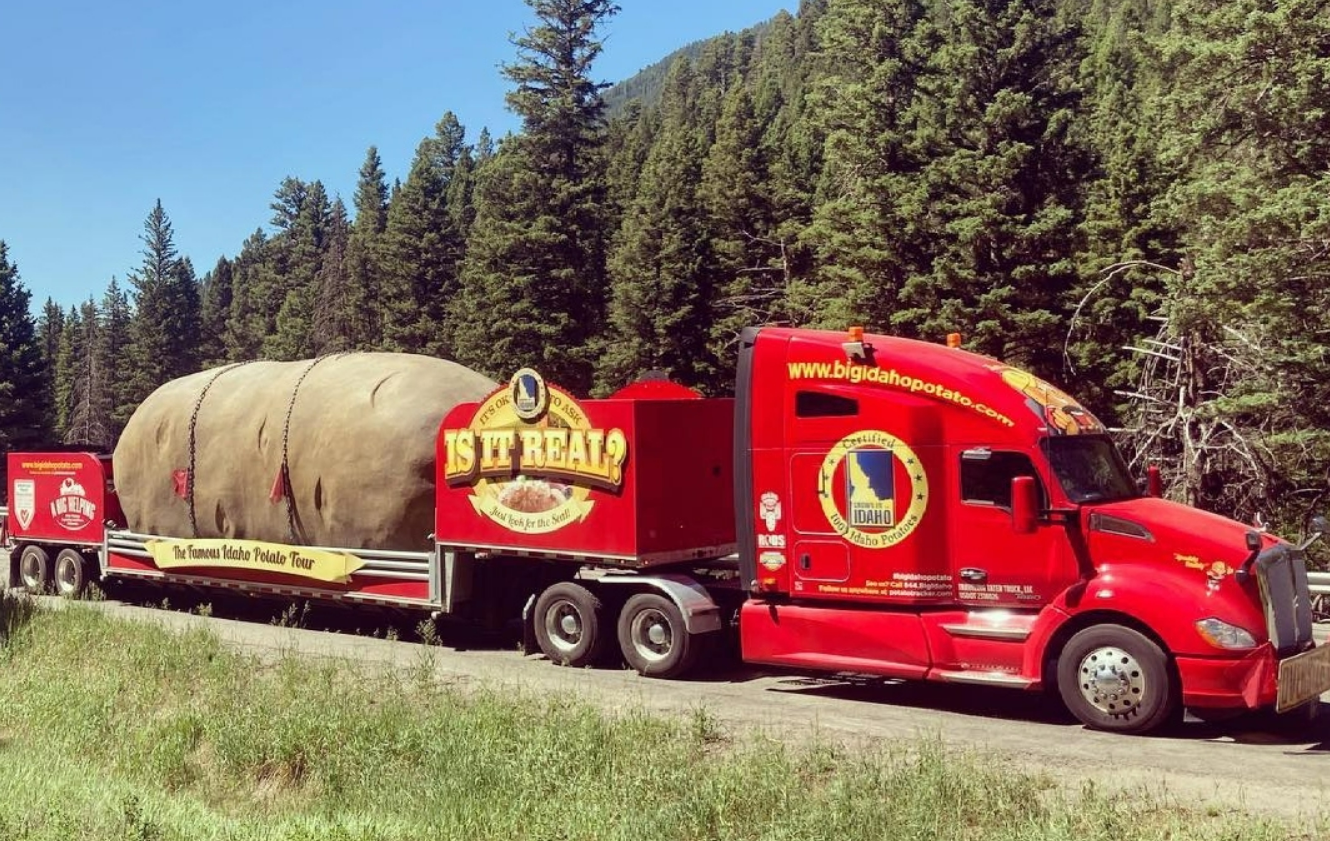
column 1129, row 197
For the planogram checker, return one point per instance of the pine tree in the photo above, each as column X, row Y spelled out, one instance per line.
column 1000, row 192
column 749, row 265
column 89, row 402
column 252, row 282
column 302, row 215
column 114, row 345
column 215, row 310
column 424, row 244
column 660, row 307
column 875, row 54
column 334, row 313
column 164, row 331
column 535, row 261
column 363, row 258
column 23, row 386
column 69, row 364
column 1248, row 135
column 50, row 325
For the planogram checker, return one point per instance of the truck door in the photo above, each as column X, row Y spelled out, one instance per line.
column 818, row 554
column 994, row 566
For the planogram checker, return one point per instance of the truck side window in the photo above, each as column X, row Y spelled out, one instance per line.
column 988, row 480
column 817, row 404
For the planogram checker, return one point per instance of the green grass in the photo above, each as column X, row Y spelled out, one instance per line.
column 111, row 729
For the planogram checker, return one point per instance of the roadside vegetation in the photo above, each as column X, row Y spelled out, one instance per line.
column 111, row 729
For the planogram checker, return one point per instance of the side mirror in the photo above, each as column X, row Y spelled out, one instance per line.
column 1024, row 504
column 1154, row 483
column 1253, row 541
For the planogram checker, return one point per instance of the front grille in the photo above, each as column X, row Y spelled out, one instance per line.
column 1281, row 572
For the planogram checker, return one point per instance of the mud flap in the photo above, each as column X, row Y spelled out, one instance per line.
column 529, row 645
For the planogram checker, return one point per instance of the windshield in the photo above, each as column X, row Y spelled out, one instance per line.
column 1089, row 468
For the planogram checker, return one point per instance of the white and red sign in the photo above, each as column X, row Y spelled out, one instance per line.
column 25, row 501
column 72, row 509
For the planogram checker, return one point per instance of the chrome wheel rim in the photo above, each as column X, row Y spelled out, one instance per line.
column 653, row 638
column 564, row 626
column 1112, row 681
column 30, row 570
column 66, row 575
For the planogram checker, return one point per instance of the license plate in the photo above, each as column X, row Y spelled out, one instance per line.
column 1303, row 678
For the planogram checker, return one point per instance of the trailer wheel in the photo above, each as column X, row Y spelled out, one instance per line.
column 567, row 624
column 1115, row 678
column 654, row 639
column 71, row 574
column 34, row 569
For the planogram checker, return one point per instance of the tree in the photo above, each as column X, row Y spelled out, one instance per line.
column 215, row 310
column 88, row 418
column 998, row 202
column 334, row 308
column 749, row 265
column 424, row 244
column 363, row 258
column 660, row 306
column 302, row 215
column 864, row 228
column 1248, row 134
column 535, row 261
column 114, row 345
column 252, row 282
column 164, row 331
column 23, row 385
column 50, row 325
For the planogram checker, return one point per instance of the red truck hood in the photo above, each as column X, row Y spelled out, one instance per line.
column 1180, row 530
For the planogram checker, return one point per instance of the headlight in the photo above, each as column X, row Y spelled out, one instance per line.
column 1220, row 634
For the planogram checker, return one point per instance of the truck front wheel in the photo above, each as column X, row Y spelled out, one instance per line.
column 34, row 569
column 1115, row 678
column 567, row 624
column 654, row 639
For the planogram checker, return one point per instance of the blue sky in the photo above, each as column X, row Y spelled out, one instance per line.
column 107, row 106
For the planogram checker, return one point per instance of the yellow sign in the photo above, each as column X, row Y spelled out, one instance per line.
column 533, row 457
column 879, row 511
column 319, row 564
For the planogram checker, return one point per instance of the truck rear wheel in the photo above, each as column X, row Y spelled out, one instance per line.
column 71, row 574
column 34, row 569
column 653, row 637
column 567, row 624
column 1115, row 678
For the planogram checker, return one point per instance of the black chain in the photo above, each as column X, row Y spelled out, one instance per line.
column 193, row 443
column 296, row 537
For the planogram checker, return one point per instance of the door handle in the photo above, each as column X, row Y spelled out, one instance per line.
column 805, row 561
column 974, row 574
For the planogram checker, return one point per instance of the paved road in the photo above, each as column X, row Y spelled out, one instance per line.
column 1236, row 765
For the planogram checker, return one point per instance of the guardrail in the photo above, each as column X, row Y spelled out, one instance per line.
column 1319, row 582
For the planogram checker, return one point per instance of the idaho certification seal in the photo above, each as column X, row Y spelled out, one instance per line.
column 873, row 489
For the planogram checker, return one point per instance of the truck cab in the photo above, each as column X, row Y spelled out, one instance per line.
column 915, row 510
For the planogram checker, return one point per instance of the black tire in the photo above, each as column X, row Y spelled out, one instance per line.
column 654, row 640
column 70, row 575
column 34, row 569
column 568, row 624
column 1117, row 679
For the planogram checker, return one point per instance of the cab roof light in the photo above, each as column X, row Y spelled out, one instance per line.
column 856, row 349
column 953, row 340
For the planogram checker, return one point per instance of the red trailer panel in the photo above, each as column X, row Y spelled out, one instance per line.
column 57, row 498
column 641, row 479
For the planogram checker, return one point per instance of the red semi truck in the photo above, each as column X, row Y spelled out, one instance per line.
column 864, row 504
